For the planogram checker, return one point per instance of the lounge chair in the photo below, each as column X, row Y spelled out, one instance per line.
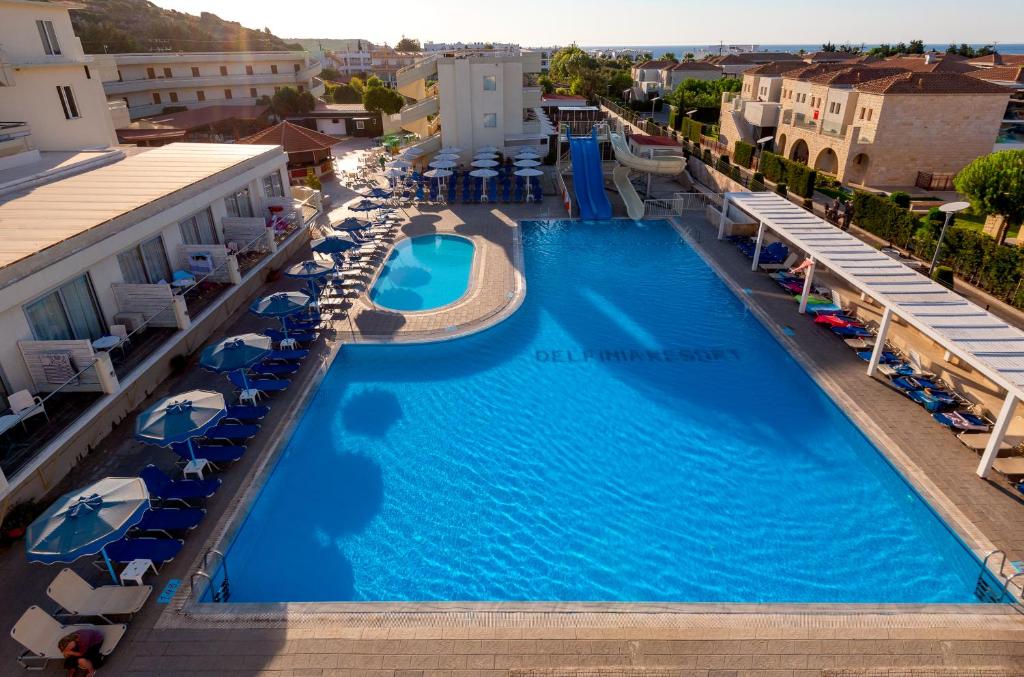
column 263, row 385
column 246, row 414
column 1014, row 436
column 785, row 265
column 213, row 453
column 914, row 358
column 1011, row 467
column 270, row 369
column 162, row 487
column 276, row 335
column 933, row 400
column 887, row 357
column 168, row 520
column 39, row 633
column 851, row 332
column 232, row 431
column 77, row 598
column 158, row 550
column 25, row 405
column 288, row 355
column 963, row 420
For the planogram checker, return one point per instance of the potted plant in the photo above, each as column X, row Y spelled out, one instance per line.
column 18, row 519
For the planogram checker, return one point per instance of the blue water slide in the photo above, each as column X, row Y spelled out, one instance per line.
column 588, row 181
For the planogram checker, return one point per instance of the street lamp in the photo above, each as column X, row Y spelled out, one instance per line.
column 948, row 209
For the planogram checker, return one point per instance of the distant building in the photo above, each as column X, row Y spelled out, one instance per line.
column 342, row 119
column 150, row 83
column 352, row 57
column 658, row 77
column 386, row 61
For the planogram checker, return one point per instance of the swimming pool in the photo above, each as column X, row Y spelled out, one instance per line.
column 631, row 433
column 424, row 272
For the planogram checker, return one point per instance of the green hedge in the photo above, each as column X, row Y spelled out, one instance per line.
column 799, row 177
column 692, row 129
column 743, row 154
column 884, row 218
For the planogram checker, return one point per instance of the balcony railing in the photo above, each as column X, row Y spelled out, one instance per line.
column 15, row 138
column 801, row 121
column 831, row 128
column 231, row 79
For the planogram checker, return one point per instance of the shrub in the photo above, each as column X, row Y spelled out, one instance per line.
column 735, row 174
column 884, row 218
column 900, row 198
column 743, row 154
column 723, row 164
column 771, row 165
column 706, row 157
column 935, row 215
column 808, row 204
column 800, row 178
column 944, row 276
column 692, row 129
column 781, row 189
column 757, row 182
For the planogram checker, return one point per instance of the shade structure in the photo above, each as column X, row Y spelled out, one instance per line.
column 443, row 164
column 332, row 244
column 526, row 154
column 528, row 171
column 413, row 152
column 485, row 156
column 379, row 192
column 451, row 150
column 483, row 173
column 437, row 173
column 352, row 223
column 286, row 303
column 180, row 417
column 527, row 163
column 446, row 156
column 310, row 271
column 236, row 353
column 365, row 206
column 84, row 522
column 400, row 164
column 485, row 163
column 487, row 149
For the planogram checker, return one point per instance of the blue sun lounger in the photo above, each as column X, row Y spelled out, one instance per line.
column 232, row 431
column 266, row 385
column 887, row 357
column 297, row 355
column 166, row 520
column 158, row 550
column 213, row 453
column 963, row 420
column 161, row 486
column 276, row 335
column 265, row 369
column 851, row 332
column 242, row 413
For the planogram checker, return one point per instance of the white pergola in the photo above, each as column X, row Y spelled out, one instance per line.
column 976, row 336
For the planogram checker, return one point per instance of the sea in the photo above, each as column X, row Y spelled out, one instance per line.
column 700, row 51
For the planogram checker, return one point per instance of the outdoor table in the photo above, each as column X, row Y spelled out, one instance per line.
column 136, row 569
column 106, row 343
column 195, row 467
column 289, row 344
column 251, row 396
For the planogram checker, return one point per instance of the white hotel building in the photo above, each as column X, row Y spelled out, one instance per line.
column 96, row 242
column 148, row 83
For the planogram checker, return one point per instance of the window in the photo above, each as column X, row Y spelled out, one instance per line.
column 276, row 90
column 490, row 119
column 49, row 37
column 239, row 204
column 227, row 93
column 68, row 312
column 252, row 92
column 145, row 264
column 195, row 71
column 248, row 70
column 200, row 95
column 199, row 228
column 273, row 68
column 67, row 102
column 360, row 124
column 167, row 73
column 156, row 97
column 223, row 70
column 174, row 97
column 490, row 83
column 272, row 186
column 88, row 75
column 151, row 74
column 296, row 66
column 870, row 111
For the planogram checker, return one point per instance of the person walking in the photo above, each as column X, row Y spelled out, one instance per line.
column 847, row 214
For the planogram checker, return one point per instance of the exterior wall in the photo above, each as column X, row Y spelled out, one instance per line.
column 36, row 75
column 100, row 262
column 335, row 126
column 464, row 102
column 672, row 78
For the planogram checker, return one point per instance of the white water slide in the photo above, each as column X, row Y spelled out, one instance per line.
column 665, row 165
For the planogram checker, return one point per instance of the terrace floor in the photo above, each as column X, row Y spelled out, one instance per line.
column 513, row 641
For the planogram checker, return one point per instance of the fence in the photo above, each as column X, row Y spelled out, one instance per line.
column 564, row 192
column 80, row 367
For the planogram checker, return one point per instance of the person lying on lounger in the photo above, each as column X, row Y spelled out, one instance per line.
column 804, row 265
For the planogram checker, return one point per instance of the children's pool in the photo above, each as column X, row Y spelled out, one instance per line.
column 424, row 272
column 631, row 433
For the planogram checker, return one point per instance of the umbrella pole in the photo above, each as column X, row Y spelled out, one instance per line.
column 110, row 566
column 191, row 451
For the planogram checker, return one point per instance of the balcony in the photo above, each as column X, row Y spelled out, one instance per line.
column 420, row 110
column 171, row 58
column 212, row 81
column 801, row 121
column 317, row 87
column 421, row 70
column 834, row 129
column 532, row 97
column 15, row 138
column 761, row 114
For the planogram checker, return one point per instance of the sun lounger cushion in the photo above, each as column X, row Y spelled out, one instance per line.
column 171, row 519
column 159, row 550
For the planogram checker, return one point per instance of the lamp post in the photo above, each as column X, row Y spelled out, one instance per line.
column 764, row 140
column 948, row 209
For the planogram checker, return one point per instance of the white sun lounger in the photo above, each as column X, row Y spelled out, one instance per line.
column 785, row 265
column 39, row 633
column 1009, row 467
column 1014, row 437
column 77, row 598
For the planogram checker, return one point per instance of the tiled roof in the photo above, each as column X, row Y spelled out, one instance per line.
column 293, row 138
column 754, row 58
column 655, row 64
column 772, row 68
column 818, row 57
column 997, row 60
column 931, row 83
column 853, row 75
column 921, row 64
column 1000, row 74
column 648, row 140
column 202, row 117
column 694, row 66
column 806, row 72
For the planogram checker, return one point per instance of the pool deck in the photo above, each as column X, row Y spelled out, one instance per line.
column 562, row 640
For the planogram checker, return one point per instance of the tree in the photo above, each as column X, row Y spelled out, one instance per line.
column 689, row 56
column 288, row 102
column 312, row 180
column 346, row 94
column 569, row 62
column 546, row 84
column 619, row 82
column 915, row 47
column 994, row 184
column 356, row 83
column 669, row 56
column 408, row 45
column 382, row 100
column 332, row 74
column 374, row 81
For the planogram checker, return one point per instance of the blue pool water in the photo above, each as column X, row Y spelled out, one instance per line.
column 424, row 272
column 632, row 433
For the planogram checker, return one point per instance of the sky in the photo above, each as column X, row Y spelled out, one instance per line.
column 537, row 23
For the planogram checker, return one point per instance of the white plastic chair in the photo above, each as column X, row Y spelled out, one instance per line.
column 39, row 633
column 120, row 331
column 26, row 405
column 77, row 598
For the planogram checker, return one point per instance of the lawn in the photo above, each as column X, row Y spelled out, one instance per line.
column 971, row 221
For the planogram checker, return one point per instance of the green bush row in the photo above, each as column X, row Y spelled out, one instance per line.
column 743, row 155
column 798, row 177
column 692, row 129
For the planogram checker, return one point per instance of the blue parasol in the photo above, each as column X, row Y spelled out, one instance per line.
column 365, row 206
column 86, row 521
column 332, row 244
column 310, row 271
column 352, row 223
column 236, row 353
column 379, row 192
column 179, row 418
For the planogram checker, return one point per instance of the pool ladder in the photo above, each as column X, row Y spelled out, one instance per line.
column 984, row 589
column 218, row 593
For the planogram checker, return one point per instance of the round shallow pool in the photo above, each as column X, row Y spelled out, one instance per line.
column 424, row 272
